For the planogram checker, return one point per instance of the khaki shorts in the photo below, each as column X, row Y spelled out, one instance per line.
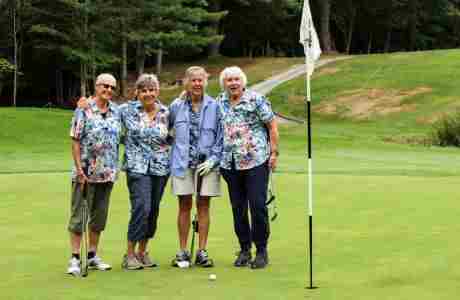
column 98, row 196
column 210, row 185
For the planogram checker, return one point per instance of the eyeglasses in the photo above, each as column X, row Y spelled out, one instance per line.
column 107, row 86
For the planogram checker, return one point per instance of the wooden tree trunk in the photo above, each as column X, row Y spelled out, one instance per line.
column 325, row 34
column 351, row 27
column 15, row 54
column 159, row 61
column 387, row 42
column 412, row 24
column 83, row 79
column 214, row 47
column 59, row 88
column 124, row 66
column 140, row 57
column 369, row 44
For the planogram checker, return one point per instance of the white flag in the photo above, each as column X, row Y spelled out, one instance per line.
column 308, row 37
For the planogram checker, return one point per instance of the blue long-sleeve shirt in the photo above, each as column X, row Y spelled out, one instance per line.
column 210, row 133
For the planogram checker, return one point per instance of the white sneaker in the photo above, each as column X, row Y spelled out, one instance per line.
column 74, row 266
column 97, row 263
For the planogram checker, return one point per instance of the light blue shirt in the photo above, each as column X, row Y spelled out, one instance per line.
column 210, row 133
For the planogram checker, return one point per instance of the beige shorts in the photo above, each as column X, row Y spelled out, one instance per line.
column 210, row 185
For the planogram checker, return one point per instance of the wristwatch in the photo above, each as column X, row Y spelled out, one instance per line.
column 276, row 152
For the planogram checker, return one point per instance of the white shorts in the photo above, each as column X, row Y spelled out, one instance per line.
column 210, row 185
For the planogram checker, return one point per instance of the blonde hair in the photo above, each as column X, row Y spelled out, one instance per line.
column 196, row 70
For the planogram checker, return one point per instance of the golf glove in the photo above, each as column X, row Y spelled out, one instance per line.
column 206, row 167
column 163, row 131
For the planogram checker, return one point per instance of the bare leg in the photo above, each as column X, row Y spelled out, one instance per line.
column 142, row 247
column 93, row 240
column 183, row 219
column 202, row 206
column 131, row 248
column 75, row 240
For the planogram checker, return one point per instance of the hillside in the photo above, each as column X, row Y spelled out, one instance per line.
column 399, row 95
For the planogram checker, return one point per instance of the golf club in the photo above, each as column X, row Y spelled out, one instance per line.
column 199, row 181
column 84, row 232
column 271, row 199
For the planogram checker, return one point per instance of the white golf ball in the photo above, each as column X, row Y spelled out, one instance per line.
column 212, row 277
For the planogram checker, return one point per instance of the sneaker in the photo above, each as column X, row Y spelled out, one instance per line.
column 261, row 260
column 131, row 263
column 96, row 263
column 243, row 259
column 202, row 259
column 182, row 259
column 145, row 261
column 73, row 267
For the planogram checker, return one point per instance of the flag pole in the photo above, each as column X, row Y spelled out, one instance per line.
column 310, row 42
column 310, row 170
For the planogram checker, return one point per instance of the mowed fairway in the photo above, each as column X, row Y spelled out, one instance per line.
column 385, row 219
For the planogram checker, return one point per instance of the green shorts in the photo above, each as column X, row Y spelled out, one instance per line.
column 98, row 195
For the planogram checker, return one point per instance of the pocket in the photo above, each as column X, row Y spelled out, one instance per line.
column 180, row 128
column 208, row 137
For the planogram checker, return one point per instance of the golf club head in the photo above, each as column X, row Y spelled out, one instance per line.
column 273, row 218
column 272, row 198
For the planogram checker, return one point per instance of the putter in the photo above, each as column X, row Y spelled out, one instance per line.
column 271, row 198
column 84, row 232
column 199, row 181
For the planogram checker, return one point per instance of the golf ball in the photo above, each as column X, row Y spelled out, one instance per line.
column 212, row 277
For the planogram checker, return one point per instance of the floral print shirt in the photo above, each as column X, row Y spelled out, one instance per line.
column 245, row 132
column 146, row 149
column 194, row 136
column 99, row 138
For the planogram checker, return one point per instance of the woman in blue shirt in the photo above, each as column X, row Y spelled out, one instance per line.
column 197, row 145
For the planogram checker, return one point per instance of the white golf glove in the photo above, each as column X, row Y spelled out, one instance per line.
column 163, row 131
column 206, row 167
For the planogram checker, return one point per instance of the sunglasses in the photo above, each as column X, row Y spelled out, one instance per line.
column 107, row 86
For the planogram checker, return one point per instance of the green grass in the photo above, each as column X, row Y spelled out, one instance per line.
column 385, row 214
column 391, row 72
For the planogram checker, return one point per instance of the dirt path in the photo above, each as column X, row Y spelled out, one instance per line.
column 269, row 84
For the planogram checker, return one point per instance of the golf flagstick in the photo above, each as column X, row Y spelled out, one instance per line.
column 309, row 40
column 84, row 231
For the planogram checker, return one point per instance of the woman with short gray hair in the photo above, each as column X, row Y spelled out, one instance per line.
column 250, row 150
column 146, row 162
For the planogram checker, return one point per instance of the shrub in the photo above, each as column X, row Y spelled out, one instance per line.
column 447, row 131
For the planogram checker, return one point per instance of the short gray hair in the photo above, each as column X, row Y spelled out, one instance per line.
column 193, row 71
column 146, row 80
column 232, row 71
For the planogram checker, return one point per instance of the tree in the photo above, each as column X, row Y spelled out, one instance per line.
column 325, row 32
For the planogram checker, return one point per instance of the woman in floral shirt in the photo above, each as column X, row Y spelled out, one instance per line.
column 250, row 150
column 146, row 162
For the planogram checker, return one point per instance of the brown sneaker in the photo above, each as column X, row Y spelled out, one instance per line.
column 146, row 261
column 131, row 263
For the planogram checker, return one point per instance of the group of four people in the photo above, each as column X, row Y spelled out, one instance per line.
column 234, row 135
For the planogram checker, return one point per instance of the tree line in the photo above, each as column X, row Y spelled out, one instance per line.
column 53, row 50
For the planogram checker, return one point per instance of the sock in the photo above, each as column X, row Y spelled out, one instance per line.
column 91, row 254
column 76, row 255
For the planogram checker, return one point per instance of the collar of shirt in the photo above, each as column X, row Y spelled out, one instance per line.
column 247, row 95
column 94, row 108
